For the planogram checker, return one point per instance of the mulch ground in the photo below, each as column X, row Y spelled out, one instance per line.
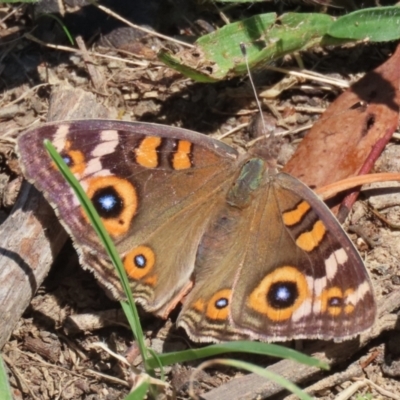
column 45, row 359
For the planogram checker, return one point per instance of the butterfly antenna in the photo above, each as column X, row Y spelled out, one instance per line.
column 244, row 53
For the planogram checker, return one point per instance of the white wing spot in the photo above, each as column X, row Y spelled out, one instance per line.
column 94, row 167
column 320, row 285
column 108, row 142
column 358, row 294
column 60, row 137
column 338, row 257
column 304, row 310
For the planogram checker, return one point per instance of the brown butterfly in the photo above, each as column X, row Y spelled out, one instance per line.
column 266, row 257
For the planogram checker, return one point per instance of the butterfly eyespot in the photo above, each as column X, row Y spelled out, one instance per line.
column 334, row 301
column 74, row 159
column 107, row 202
column 221, row 303
column 217, row 307
column 282, row 294
column 116, row 202
column 67, row 159
column 139, row 262
column 279, row 294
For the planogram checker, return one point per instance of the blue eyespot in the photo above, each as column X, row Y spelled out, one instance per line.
column 108, row 202
column 282, row 294
column 335, row 302
column 221, row 303
column 140, row 261
column 67, row 159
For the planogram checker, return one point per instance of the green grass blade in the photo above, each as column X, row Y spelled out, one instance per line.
column 186, row 70
column 272, row 376
column 140, row 391
column 60, row 22
column 269, row 349
column 378, row 24
column 5, row 390
column 108, row 245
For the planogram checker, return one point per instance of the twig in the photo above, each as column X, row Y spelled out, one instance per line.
column 76, row 51
column 141, row 28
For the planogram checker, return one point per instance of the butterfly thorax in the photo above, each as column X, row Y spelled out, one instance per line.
column 248, row 181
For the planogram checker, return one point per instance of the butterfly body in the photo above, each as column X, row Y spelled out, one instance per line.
column 267, row 258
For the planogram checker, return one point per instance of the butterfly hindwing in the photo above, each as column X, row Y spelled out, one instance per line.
column 310, row 281
column 294, row 272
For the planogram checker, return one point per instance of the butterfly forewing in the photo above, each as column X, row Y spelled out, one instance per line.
column 155, row 188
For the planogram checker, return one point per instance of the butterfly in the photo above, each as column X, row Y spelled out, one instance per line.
column 265, row 257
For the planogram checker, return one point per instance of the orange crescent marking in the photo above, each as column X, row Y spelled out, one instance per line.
column 199, row 305
column 308, row 241
column 293, row 217
column 348, row 309
column 181, row 157
column 146, row 153
column 78, row 162
column 151, row 280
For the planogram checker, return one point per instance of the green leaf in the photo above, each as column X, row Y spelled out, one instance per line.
column 295, row 32
column 222, row 47
column 5, row 390
column 234, row 347
column 266, row 38
column 378, row 24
